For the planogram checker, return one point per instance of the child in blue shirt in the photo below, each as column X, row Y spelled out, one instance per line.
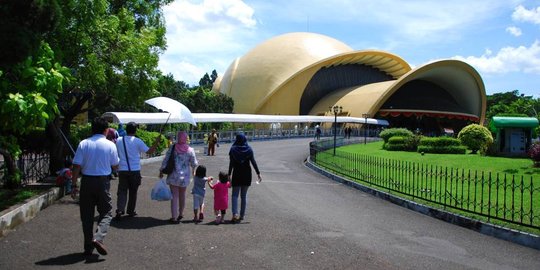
column 198, row 191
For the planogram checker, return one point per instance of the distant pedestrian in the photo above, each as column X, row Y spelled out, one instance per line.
column 199, row 191
column 212, row 142
column 129, row 150
column 221, row 196
column 317, row 132
column 240, row 157
column 184, row 162
column 112, row 135
column 94, row 158
column 121, row 131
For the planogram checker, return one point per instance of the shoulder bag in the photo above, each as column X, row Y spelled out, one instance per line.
column 169, row 168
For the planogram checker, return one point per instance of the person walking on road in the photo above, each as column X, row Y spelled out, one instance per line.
column 240, row 157
column 221, row 196
column 94, row 158
column 199, row 191
column 129, row 149
column 185, row 162
column 212, row 141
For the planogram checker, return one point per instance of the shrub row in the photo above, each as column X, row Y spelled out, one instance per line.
column 441, row 145
column 401, row 143
column 393, row 132
column 442, row 149
column 439, row 141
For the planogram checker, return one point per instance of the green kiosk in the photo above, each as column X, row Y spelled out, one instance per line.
column 513, row 134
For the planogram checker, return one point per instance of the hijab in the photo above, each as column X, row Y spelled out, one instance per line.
column 112, row 135
column 181, row 145
column 240, row 150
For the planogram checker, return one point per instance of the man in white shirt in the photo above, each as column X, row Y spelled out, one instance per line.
column 95, row 159
column 129, row 177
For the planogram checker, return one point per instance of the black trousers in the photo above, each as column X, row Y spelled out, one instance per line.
column 128, row 185
column 94, row 194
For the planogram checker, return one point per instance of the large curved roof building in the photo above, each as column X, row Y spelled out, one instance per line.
column 306, row 73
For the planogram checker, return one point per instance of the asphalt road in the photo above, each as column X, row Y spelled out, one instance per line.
column 296, row 219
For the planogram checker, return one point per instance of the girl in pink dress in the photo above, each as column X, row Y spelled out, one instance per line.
column 221, row 196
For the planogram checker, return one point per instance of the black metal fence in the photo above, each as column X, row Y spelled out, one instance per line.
column 34, row 168
column 507, row 198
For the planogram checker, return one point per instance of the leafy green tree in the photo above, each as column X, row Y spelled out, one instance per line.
column 112, row 48
column 22, row 26
column 475, row 137
column 512, row 104
column 28, row 94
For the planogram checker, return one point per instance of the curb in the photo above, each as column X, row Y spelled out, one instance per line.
column 515, row 236
column 21, row 213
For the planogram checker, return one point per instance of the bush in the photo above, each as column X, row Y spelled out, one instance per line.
column 534, row 153
column 439, row 141
column 391, row 132
column 441, row 145
column 402, row 143
column 81, row 132
column 476, row 137
column 442, row 149
column 148, row 137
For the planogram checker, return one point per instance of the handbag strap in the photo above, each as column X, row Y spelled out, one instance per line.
column 125, row 151
column 172, row 151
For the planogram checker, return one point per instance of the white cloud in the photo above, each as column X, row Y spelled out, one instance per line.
column 508, row 59
column 515, row 31
column 525, row 15
column 201, row 34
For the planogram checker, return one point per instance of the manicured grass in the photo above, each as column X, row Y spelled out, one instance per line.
column 469, row 161
column 493, row 189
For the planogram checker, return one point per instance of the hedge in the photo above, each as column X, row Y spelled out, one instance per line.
column 392, row 132
column 439, row 141
column 441, row 145
column 442, row 150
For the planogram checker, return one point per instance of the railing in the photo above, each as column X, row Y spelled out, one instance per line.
column 507, row 198
column 34, row 167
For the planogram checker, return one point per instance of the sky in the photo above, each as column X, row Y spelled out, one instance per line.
column 499, row 38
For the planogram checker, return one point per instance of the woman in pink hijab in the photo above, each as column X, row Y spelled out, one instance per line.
column 185, row 162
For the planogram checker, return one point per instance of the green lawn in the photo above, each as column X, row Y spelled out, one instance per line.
column 473, row 162
column 503, row 191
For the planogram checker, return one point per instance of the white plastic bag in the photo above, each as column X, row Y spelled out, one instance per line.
column 161, row 191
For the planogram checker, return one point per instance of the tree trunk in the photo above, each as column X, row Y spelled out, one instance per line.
column 9, row 162
column 59, row 148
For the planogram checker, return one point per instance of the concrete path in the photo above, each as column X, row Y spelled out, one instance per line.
column 296, row 219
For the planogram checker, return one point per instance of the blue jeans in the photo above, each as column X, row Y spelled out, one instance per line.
column 242, row 190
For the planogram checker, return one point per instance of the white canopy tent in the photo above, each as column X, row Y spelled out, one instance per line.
column 161, row 118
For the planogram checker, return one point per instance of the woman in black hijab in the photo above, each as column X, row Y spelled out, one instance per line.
column 240, row 157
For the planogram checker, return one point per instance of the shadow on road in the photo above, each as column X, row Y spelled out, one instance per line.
column 72, row 258
column 130, row 223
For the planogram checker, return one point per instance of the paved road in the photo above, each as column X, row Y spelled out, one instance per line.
column 296, row 219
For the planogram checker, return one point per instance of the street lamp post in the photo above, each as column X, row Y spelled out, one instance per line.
column 336, row 110
column 365, row 115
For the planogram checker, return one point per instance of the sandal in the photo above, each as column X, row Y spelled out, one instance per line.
column 173, row 221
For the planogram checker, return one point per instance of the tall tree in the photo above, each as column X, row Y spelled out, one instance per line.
column 30, row 79
column 112, row 48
